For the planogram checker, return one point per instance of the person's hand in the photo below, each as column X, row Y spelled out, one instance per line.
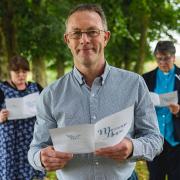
column 3, row 115
column 53, row 160
column 174, row 108
column 119, row 152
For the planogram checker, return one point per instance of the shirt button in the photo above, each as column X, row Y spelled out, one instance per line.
column 163, row 124
column 93, row 95
column 163, row 116
column 97, row 163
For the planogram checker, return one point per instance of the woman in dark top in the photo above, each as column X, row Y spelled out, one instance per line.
column 16, row 134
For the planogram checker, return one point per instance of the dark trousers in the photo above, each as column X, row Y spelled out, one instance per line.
column 166, row 164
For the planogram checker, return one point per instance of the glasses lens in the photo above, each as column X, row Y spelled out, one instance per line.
column 89, row 33
column 164, row 58
column 93, row 33
column 75, row 35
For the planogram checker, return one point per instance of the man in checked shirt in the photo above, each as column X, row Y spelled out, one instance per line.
column 90, row 92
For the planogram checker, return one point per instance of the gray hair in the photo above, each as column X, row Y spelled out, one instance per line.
column 165, row 46
column 89, row 7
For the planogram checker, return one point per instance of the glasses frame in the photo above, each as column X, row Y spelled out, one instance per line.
column 166, row 58
column 88, row 33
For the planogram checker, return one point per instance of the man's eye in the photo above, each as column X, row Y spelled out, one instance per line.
column 76, row 33
column 92, row 33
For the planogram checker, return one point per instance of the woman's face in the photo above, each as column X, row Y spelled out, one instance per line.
column 19, row 77
column 165, row 61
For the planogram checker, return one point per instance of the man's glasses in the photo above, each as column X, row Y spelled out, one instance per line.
column 163, row 58
column 90, row 33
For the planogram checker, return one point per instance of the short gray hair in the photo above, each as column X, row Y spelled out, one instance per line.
column 165, row 46
column 89, row 7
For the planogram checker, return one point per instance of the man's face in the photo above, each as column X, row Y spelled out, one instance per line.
column 165, row 61
column 88, row 47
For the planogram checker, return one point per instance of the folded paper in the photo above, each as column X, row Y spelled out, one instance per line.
column 23, row 107
column 164, row 99
column 87, row 138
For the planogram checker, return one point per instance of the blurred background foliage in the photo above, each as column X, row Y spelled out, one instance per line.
column 35, row 28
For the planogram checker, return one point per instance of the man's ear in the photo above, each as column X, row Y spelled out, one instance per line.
column 66, row 40
column 107, row 37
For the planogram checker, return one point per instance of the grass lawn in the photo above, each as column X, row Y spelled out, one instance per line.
column 141, row 170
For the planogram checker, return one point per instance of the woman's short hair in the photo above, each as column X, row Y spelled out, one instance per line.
column 165, row 46
column 18, row 62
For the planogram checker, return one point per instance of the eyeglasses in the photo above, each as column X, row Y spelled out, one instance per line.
column 164, row 58
column 90, row 33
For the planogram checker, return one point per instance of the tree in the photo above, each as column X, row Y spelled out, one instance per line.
column 133, row 25
column 35, row 28
column 8, row 43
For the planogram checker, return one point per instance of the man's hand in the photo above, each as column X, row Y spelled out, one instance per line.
column 174, row 108
column 119, row 152
column 3, row 115
column 53, row 160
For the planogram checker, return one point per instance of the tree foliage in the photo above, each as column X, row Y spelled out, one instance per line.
column 35, row 28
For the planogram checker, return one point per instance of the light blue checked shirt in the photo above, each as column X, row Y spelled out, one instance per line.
column 112, row 92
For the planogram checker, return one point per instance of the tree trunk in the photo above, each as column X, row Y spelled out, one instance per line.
column 60, row 68
column 126, row 56
column 8, row 28
column 3, row 58
column 142, row 44
column 127, row 62
column 39, row 71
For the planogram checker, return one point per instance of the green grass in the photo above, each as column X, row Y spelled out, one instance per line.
column 141, row 170
column 51, row 176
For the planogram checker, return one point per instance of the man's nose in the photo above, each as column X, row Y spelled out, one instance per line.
column 84, row 38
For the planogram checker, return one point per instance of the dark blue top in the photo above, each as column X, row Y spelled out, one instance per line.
column 15, row 137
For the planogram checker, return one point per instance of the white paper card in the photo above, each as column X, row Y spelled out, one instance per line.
column 164, row 99
column 23, row 107
column 87, row 138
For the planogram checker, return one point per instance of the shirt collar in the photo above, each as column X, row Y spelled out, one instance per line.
column 171, row 72
column 80, row 77
column 106, row 71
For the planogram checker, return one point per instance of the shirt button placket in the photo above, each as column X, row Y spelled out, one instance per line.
column 97, row 169
column 93, row 106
